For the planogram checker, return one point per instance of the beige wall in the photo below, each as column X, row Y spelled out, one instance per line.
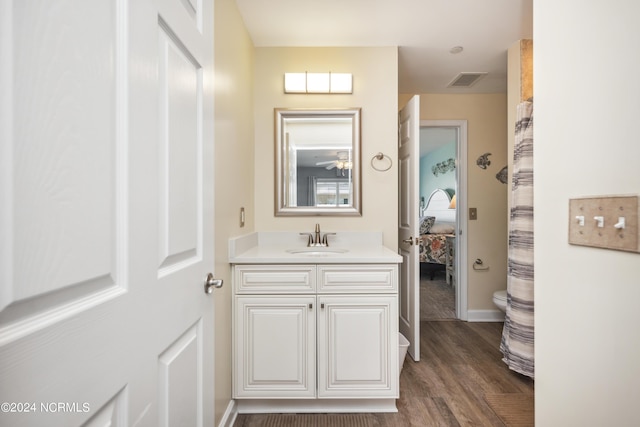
column 486, row 117
column 586, row 143
column 234, row 186
column 375, row 81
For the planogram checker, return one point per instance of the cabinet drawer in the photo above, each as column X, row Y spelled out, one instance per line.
column 275, row 279
column 368, row 278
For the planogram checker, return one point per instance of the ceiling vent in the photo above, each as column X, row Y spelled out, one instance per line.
column 466, row 79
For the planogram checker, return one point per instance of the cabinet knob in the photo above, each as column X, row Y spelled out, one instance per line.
column 322, row 305
column 310, row 306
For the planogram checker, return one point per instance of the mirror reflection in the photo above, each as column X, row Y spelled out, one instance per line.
column 318, row 162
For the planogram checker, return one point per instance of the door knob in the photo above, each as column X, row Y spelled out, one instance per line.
column 409, row 240
column 211, row 283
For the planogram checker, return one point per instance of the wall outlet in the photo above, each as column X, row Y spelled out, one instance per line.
column 473, row 214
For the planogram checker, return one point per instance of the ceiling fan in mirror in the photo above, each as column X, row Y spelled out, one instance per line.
column 341, row 162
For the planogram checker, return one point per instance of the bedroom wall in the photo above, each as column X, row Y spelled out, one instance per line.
column 233, row 158
column 486, row 117
column 585, row 143
column 429, row 181
column 375, row 90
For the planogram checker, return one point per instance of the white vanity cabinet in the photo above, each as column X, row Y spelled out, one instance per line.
column 317, row 331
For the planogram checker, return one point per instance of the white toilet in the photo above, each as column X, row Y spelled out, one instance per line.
column 500, row 300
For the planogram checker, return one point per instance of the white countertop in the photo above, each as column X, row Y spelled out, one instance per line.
column 276, row 248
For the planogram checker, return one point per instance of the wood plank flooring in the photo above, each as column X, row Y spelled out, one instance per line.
column 459, row 381
column 437, row 299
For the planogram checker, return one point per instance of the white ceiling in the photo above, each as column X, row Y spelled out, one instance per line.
column 423, row 30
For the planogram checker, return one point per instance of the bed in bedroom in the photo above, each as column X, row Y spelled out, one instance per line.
column 437, row 235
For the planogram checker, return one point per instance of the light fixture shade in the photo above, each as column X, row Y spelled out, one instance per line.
column 295, row 82
column 341, row 83
column 318, row 83
column 344, row 164
column 452, row 205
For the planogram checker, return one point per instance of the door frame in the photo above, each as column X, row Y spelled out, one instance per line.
column 461, row 211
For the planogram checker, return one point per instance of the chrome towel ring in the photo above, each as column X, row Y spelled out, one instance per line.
column 381, row 157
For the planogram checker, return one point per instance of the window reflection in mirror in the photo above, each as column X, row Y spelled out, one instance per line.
column 317, row 162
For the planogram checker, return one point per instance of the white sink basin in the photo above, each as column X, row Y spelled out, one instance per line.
column 317, row 251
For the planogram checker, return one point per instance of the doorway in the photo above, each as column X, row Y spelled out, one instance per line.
column 443, row 276
column 409, row 235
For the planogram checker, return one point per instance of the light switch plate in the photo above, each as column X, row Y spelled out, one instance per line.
column 473, row 213
column 599, row 216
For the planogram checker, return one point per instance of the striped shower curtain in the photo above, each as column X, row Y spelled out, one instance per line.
column 517, row 335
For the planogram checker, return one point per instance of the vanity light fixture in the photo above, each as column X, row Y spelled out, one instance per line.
column 318, row 82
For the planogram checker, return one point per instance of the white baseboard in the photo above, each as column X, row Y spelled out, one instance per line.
column 485, row 316
column 230, row 415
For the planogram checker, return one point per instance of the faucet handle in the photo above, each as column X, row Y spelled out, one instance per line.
column 309, row 238
column 325, row 240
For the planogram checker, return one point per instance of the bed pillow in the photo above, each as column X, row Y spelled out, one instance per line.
column 426, row 223
column 442, row 228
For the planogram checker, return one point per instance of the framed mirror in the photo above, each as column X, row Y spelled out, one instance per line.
column 317, row 162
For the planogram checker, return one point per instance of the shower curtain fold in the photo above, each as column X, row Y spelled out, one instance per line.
column 517, row 345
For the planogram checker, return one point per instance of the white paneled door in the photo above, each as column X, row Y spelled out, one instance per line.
column 408, row 227
column 106, row 212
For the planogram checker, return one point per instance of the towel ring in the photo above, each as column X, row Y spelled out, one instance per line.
column 381, row 156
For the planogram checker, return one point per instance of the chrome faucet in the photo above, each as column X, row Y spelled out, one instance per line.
column 316, row 239
column 325, row 240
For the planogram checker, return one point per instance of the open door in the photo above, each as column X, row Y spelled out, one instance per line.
column 106, row 213
column 408, row 226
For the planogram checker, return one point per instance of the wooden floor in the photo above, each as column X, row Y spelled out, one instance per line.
column 459, row 381
column 437, row 299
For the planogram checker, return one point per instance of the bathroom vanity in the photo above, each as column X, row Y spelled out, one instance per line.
column 315, row 329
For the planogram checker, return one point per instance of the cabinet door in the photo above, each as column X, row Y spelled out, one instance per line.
column 275, row 347
column 357, row 346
